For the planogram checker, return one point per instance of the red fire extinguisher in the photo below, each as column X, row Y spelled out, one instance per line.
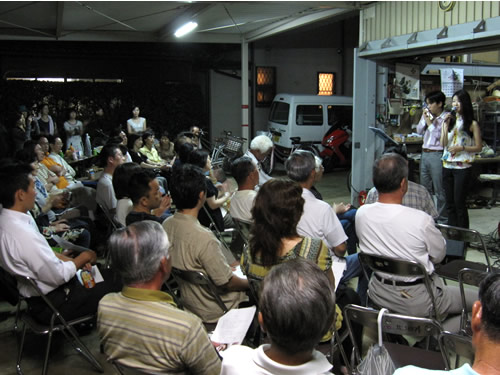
column 362, row 197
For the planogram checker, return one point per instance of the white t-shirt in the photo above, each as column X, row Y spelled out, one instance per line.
column 105, row 195
column 241, row 205
column 243, row 360
column 412, row 370
column 397, row 231
column 320, row 221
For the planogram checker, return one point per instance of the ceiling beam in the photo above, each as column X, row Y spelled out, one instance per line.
column 59, row 19
column 282, row 26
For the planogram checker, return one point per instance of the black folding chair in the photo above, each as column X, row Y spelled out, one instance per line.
column 451, row 269
column 199, row 278
column 112, row 225
column 57, row 323
column 397, row 324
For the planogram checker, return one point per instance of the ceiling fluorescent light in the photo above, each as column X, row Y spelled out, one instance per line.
column 185, row 29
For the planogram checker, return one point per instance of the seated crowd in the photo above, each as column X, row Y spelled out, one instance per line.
column 171, row 210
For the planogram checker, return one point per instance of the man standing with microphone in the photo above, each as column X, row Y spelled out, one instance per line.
column 431, row 169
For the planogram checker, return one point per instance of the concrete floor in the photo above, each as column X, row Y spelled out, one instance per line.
column 64, row 360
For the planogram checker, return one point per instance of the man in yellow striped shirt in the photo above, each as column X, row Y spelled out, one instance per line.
column 141, row 327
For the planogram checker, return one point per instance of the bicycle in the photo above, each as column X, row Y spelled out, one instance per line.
column 226, row 149
column 283, row 153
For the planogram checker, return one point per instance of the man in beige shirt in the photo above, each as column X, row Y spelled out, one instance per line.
column 195, row 248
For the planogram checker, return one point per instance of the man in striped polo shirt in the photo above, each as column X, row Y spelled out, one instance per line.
column 141, row 327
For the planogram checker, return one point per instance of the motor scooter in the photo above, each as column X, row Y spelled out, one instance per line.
column 337, row 148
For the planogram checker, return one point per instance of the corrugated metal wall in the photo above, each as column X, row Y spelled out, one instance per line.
column 393, row 18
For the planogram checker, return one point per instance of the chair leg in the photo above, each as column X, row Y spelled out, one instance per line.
column 20, row 351
column 80, row 347
column 47, row 352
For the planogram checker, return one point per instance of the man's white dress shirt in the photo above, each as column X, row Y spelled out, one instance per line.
column 24, row 251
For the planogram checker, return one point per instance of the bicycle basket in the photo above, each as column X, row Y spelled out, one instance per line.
column 233, row 144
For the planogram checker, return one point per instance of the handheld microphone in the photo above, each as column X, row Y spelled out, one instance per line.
column 453, row 111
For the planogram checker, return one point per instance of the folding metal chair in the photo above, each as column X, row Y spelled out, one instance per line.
column 471, row 277
column 458, row 345
column 9, row 292
column 451, row 269
column 401, row 355
column 402, row 268
column 243, row 231
column 199, row 278
column 57, row 323
column 113, row 225
column 217, row 232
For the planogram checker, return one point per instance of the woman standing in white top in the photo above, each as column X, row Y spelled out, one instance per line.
column 74, row 131
column 461, row 139
column 136, row 124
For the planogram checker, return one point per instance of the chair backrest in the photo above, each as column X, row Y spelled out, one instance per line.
column 391, row 323
column 459, row 345
column 198, row 278
column 399, row 267
column 467, row 276
column 215, row 230
column 255, row 287
column 243, row 228
column 114, row 224
column 465, row 235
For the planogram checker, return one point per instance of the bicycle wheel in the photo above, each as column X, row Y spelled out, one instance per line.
column 311, row 148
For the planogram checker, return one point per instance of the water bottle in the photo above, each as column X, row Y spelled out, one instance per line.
column 88, row 146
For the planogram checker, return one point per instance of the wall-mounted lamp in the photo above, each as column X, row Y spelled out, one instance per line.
column 185, row 29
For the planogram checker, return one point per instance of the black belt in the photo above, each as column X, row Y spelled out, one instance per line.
column 429, row 150
column 399, row 283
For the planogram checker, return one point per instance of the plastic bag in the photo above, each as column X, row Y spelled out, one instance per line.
column 377, row 360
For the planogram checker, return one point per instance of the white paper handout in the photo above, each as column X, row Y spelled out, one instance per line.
column 238, row 272
column 233, row 326
column 338, row 267
column 68, row 245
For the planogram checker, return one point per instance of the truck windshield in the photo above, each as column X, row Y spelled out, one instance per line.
column 279, row 113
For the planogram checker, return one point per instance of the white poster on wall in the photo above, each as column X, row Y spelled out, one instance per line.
column 452, row 80
column 407, row 81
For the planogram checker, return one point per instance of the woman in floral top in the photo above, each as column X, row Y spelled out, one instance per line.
column 461, row 139
column 273, row 234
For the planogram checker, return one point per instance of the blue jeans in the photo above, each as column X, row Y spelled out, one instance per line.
column 347, row 219
column 354, row 269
